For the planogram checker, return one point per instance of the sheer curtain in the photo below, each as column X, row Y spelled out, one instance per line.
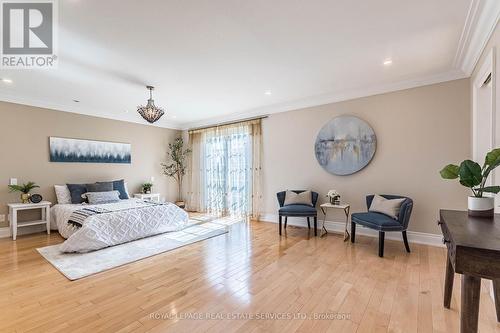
column 224, row 171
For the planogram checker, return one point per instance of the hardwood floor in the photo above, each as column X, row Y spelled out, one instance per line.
column 250, row 271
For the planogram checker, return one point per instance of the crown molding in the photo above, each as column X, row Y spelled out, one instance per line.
column 481, row 20
column 5, row 97
column 330, row 98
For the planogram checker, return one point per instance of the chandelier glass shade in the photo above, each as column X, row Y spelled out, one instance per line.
column 150, row 112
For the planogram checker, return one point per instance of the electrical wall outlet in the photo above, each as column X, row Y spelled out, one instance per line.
column 13, row 181
column 2, row 217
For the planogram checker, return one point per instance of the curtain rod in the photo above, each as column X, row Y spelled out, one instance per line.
column 227, row 123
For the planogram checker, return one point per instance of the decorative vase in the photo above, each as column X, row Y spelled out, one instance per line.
column 25, row 198
column 481, row 207
column 335, row 200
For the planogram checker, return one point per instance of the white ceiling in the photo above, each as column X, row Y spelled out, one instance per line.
column 212, row 60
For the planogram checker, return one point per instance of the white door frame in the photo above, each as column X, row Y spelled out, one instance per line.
column 487, row 68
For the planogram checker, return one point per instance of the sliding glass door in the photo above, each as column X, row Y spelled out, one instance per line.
column 224, row 169
column 227, row 160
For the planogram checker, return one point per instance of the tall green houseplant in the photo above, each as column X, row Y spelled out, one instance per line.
column 177, row 165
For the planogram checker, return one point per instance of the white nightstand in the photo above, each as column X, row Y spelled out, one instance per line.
column 148, row 196
column 15, row 207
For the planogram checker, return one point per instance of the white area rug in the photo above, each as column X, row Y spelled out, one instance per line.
column 78, row 265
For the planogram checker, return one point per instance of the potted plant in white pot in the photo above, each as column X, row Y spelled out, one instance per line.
column 473, row 176
column 146, row 187
column 176, row 168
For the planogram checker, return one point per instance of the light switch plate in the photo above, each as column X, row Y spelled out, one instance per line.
column 2, row 217
column 13, row 181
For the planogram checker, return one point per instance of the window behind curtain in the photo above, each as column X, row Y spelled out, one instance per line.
column 227, row 174
column 223, row 175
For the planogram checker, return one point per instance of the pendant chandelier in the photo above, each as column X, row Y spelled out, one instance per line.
column 150, row 112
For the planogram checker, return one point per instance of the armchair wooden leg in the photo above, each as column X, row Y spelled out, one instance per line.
column 286, row 221
column 405, row 240
column 280, row 225
column 381, row 236
column 308, row 223
column 353, row 232
column 315, row 226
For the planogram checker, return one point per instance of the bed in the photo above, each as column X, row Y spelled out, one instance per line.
column 114, row 223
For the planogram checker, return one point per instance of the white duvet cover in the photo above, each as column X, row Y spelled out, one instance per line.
column 127, row 220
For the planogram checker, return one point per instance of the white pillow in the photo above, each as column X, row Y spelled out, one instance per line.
column 303, row 198
column 62, row 194
column 390, row 207
column 125, row 184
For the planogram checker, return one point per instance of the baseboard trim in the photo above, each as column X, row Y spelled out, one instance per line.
column 5, row 232
column 338, row 227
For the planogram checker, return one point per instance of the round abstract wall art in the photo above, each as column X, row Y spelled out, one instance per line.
column 345, row 145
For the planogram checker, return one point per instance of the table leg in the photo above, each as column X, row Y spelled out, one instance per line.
column 469, row 311
column 346, row 232
column 496, row 292
column 47, row 218
column 9, row 219
column 324, row 220
column 13, row 223
column 448, row 283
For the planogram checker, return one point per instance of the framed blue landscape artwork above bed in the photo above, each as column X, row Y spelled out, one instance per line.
column 88, row 151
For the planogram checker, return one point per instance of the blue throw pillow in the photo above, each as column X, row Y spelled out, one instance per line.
column 76, row 191
column 119, row 185
column 100, row 187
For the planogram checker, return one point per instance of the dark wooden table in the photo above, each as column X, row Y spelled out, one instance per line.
column 474, row 251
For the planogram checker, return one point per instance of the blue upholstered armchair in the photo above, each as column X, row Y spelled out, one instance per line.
column 296, row 210
column 382, row 222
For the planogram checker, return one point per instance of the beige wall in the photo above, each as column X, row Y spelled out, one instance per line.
column 24, row 147
column 418, row 131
